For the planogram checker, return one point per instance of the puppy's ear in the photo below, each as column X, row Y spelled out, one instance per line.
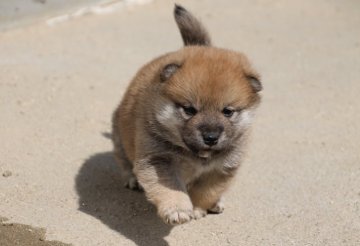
column 168, row 71
column 255, row 83
column 191, row 29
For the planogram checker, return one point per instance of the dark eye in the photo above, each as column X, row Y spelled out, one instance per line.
column 189, row 110
column 228, row 112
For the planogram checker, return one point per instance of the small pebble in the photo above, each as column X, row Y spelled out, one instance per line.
column 7, row 173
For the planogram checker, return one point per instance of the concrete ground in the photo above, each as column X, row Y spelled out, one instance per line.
column 300, row 184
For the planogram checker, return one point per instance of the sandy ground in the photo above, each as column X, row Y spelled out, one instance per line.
column 18, row 234
column 300, row 184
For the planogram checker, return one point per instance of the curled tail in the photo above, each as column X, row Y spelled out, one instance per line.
column 191, row 29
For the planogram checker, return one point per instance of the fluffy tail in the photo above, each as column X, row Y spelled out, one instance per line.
column 192, row 31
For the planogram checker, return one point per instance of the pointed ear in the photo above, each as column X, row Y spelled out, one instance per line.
column 168, row 71
column 255, row 83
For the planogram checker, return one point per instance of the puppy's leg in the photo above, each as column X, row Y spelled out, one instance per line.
column 126, row 166
column 218, row 208
column 206, row 193
column 127, row 174
column 164, row 188
column 130, row 181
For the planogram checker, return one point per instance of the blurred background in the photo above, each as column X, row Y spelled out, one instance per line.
column 20, row 13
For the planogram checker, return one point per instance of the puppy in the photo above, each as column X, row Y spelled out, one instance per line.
column 181, row 128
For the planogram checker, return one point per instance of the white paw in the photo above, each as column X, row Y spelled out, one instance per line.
column 218, row 208
column 177, row 216
column 199, row 213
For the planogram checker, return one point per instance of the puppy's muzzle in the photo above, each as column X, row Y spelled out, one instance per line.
column 211, row 134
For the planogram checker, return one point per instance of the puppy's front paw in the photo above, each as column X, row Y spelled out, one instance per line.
column 218, row 207
column 199, row 213
column 176, row 215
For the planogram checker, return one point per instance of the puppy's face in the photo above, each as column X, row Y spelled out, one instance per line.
column 209, row 100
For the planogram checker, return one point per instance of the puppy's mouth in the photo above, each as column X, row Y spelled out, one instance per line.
column 205, row 153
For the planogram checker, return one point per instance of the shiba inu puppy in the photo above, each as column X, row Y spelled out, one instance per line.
column 181, row 128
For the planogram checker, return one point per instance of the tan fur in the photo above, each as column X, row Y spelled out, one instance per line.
column 151, row 133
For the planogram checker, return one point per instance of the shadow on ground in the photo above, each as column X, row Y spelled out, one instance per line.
column 103, row 196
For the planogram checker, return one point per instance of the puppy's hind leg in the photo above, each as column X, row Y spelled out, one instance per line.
column 130, row 181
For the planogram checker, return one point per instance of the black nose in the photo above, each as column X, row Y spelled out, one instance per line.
column 211, row 133
column 210, row 138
